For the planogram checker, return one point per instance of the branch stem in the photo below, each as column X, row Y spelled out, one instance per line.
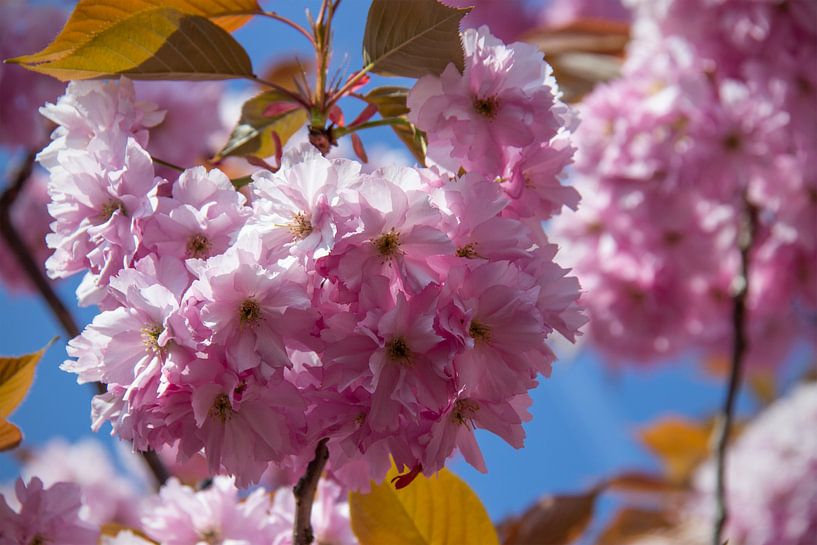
column 337, row 95
column 290, row 23
column 342, row 131
column 304, row 493
column 745, row 236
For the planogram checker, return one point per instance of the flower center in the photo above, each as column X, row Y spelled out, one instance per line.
column 732, row 142
column 38, row 539
column 300, row 226
column 249, row 312
column 468, row 251
column 464, row 411
column 150, row 337
column 487, row 107
column 198, row 246
column 388, row 244
column 210, row 536
column 481, row 333
column 110, row 207
column 398, row 351
column 222, row 409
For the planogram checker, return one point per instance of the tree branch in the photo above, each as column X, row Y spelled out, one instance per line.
column 747, row 224
column 305, row 495
column 38, row 279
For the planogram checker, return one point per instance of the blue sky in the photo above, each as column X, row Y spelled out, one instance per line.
column 585, row 415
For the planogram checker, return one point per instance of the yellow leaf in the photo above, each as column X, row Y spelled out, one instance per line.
column 157, row 43
column 680, row 444
column 91, row 17
column 10, row 436
column 16, row 376
column 441, row 510
column 261, row 116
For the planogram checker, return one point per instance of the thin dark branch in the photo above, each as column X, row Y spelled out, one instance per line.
column 22, row 254
column 166, row 164
column 38, row 279
column 305, row 495
column 746, row 234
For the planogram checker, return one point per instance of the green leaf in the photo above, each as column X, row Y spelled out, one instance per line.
column 16, row 377
column 261, row 116
column 156, row 43
column 391, row 102
column 412, row 38
column 441, row 510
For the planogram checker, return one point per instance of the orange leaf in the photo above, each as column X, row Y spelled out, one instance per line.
column 631, row 524
column 10, row 436
column 681, row 445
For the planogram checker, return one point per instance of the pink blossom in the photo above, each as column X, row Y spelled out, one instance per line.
column 505, row 98
column 183, row 516
column 200, row 219
column 250, row 309
column 186, row 135
column 301, row 205
column 25, row 29
column 45, row 515
column 330, row 515
column 396, row 237
column 107, row 497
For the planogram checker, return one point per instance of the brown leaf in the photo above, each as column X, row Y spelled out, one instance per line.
column 582, row 53
column 641, row 483
column 631, row 523
column 412, row 38
column 681, row 445
column 553, row 520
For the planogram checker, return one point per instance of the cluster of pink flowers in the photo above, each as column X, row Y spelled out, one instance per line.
column 703, row 124
column 71, row 505
column 771, row 476
column 390, row 312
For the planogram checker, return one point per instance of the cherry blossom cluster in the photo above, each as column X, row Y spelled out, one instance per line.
column 712, row 121
column 389, row 312
column 62, row 498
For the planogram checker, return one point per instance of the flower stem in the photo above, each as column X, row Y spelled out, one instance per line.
column 342, row 131
column 746, row 232
column 304, row 493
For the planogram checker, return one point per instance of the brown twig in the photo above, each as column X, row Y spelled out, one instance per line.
column 745, row 237
column 38, row 279
column 21, row 251
column 305, row 495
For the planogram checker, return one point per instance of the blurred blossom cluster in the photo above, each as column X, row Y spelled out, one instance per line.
column 714, row 113
column 771, row 476
column 391, row 312
column 74, row 495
